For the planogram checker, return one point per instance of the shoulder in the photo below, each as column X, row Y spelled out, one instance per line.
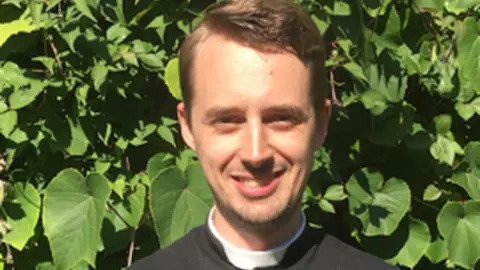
column 339, row 255
column 176, row 256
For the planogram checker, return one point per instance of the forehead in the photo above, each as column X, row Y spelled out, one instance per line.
column 225, row 71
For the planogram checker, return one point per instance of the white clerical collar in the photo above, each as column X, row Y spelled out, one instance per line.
column 248, row 259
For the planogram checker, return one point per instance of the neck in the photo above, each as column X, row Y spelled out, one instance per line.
column 257, row 238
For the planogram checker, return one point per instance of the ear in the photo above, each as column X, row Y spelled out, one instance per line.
column 185, row 126
column 322, row 124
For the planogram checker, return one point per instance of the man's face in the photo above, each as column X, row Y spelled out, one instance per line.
column 253, row 127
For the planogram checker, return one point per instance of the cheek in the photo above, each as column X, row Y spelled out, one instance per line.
column 296, row 146
column 216, row 150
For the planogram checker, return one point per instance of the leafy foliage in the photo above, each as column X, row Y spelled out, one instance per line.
column 94, row 173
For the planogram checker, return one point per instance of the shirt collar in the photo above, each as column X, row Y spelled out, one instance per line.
column 248, row 259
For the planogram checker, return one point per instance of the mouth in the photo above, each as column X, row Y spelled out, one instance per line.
column 258, row 185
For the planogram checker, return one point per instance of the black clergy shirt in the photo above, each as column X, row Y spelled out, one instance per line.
column 314, row 249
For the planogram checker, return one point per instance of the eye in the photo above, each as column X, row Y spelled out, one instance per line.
column 229, row 119
column 227, row 123
column 282, row 121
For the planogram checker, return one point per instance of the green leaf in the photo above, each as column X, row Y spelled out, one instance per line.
column 130, row 58
column 436, row 5
column 387, row 79
column 442, row 150
column 172, row 78
column 356, row 70
column 186, row 158
column 82, row 6
column 119, row 185
column 465, row 110
column 468, row 181
column 22, row 214
column 78, row 144
column 3, row 105
column 102, row 166
column 417, row 244
column 468, row 45
column 24, row 96
column 459, row 224
column 375, row 8
column 166, row 134
column 73, row 211
column 22, row 25
column 178, row 202
column 389, row 128
column 431, row 193
column 321, row 24
column 392, row 29
column 472, row 154
column 419, row 138
column 48, row 62
column 443, row 123
column 379, row 206
column 12, row 74
column 130, row 209
column 437, row 251
column 71, row 36
column 136, row 205
column 340, row 8
column 117, row 33
column 335, row 193
column 326, row 206
column 160, row 25
column 476, row 105
column 99, row 75
column 153, row 62
column 8, row 121
column 460, row 6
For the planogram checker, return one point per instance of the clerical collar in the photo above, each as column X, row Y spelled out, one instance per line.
column 248, row 259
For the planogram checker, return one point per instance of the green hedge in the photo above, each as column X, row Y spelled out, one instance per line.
column 94, row 172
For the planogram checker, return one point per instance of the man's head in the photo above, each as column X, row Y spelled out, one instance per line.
column 254, row 108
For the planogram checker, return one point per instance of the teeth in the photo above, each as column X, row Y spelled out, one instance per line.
column 252, row 183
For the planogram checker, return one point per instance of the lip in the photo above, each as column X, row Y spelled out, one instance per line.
column 262, row 191
column 248, row 176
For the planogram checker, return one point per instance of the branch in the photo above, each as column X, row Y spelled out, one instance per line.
column 334, row 94
column 60, row 14
column 131, row 249
column 431, row 206
column 118, row 214
column 9, row 257
column 55, row 52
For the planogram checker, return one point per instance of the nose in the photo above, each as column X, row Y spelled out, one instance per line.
column 256, row 150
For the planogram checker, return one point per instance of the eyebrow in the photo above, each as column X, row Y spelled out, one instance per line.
column 284, row 109
column 295, row 111
column 220, row 110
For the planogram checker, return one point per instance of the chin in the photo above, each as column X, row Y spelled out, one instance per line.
column 266, row 212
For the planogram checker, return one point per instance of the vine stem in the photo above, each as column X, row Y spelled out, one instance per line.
column 60, row 13
column 334, row 94
column 55, row 53
column 118, row 214
column 132, row 236
column 131, row 249
column 9, row 258
column 420, row 201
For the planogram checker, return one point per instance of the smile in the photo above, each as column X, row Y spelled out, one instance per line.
column 257, row 186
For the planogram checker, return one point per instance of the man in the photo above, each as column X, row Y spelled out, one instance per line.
column 255, row 110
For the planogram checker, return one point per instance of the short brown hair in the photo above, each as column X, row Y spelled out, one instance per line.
column 265, row 25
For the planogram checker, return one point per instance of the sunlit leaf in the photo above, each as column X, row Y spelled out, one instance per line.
column 178, row 201
column 458, row 222
column 74, row 235
column 172, row 78
column 379, row 205
column 22, row 214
